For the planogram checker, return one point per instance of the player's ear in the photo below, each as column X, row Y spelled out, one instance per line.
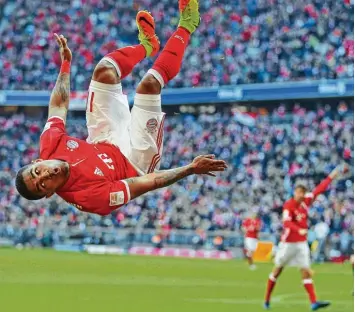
column 37, row 160
column 49, row 195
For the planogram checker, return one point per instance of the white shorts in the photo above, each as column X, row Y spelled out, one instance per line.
column 138, row 134
column 293, row 254
column 250, row 244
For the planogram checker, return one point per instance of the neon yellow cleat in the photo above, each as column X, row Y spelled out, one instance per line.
column 189, row 14
column 146, row 36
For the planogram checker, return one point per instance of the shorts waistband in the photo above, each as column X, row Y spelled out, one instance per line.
column 107, row 87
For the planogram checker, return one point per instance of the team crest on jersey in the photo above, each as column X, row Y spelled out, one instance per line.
column 72, row 145
column 152, row 125
column 300, row 216
column 116, row 198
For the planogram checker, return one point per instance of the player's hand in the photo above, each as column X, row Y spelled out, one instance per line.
column 207, row 164
column 303, row 232
column 343, row 169
column 65, row 52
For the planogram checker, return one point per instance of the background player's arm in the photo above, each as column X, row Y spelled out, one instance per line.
column 322, row 187
column 59, row 101
column 200, row 165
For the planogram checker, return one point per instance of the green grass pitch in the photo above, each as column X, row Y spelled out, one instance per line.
column 49, row 281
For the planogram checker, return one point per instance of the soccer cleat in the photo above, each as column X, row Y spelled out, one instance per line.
column 189, row 15
column 267, row 305
column 146, row 33
column 319, row 305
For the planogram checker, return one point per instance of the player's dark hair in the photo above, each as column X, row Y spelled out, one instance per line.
column 22, row 187
column 302, row 187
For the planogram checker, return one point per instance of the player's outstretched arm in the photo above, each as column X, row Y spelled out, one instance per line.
column 59, row 101
column 322, row 187
column 201, row 165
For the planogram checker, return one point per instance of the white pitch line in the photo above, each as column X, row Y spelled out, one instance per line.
column 79, row 279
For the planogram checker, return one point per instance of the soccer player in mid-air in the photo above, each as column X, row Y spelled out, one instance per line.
column 293, row 248
column 251, row 227
column 120, row 158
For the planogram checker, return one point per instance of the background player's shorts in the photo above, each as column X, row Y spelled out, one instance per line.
column 250, row 244
column 293, row 254
column 138, row 134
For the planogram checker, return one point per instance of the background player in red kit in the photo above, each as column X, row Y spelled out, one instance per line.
column 251, row 227
column 118, row 161
column 293, row 249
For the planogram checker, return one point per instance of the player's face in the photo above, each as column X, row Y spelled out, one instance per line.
column 299, row 194
column 44, row 177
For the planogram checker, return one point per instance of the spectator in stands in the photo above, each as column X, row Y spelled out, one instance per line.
column 238, row 41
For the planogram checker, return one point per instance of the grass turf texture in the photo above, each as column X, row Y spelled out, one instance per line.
column 45, row 280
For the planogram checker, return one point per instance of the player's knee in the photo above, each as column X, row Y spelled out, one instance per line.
column 149, row 85
column 306, row 273
column 106, row 73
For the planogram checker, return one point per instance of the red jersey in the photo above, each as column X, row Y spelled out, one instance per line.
column 96, row 171
column 251, row 227
column 295, row 215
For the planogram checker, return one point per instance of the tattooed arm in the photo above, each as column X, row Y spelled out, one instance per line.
column 59, row 101
column 201, row 165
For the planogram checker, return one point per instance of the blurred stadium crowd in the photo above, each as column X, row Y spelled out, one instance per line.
column 238, row 41
column 266, row 159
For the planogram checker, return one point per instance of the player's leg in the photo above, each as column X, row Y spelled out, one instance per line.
column 304, row 257
column 118, row 64
column 250, row 245
column 108, row 115
column 147, row 116
column 168, row 63
column 271, row 282
column 306, row 274
column 249, row 257
column 285, row 253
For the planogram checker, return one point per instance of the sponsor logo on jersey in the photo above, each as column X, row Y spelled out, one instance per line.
column 98, row 172
column 116, row 198
column 152, row 125
column 72, row 145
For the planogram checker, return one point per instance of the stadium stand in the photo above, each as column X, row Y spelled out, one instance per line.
column 237, row 42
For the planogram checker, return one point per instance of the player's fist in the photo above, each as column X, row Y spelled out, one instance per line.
column 65, row 52
column 302, row 232
column 207, row 164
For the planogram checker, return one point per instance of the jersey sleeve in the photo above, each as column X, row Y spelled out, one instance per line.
column 108, row 197
column 53, row 130
column 320, row 188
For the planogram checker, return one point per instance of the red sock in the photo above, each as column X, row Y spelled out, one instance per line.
column 271, row 282
column 169, row 61
column 127, row 57
column 308, row 285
